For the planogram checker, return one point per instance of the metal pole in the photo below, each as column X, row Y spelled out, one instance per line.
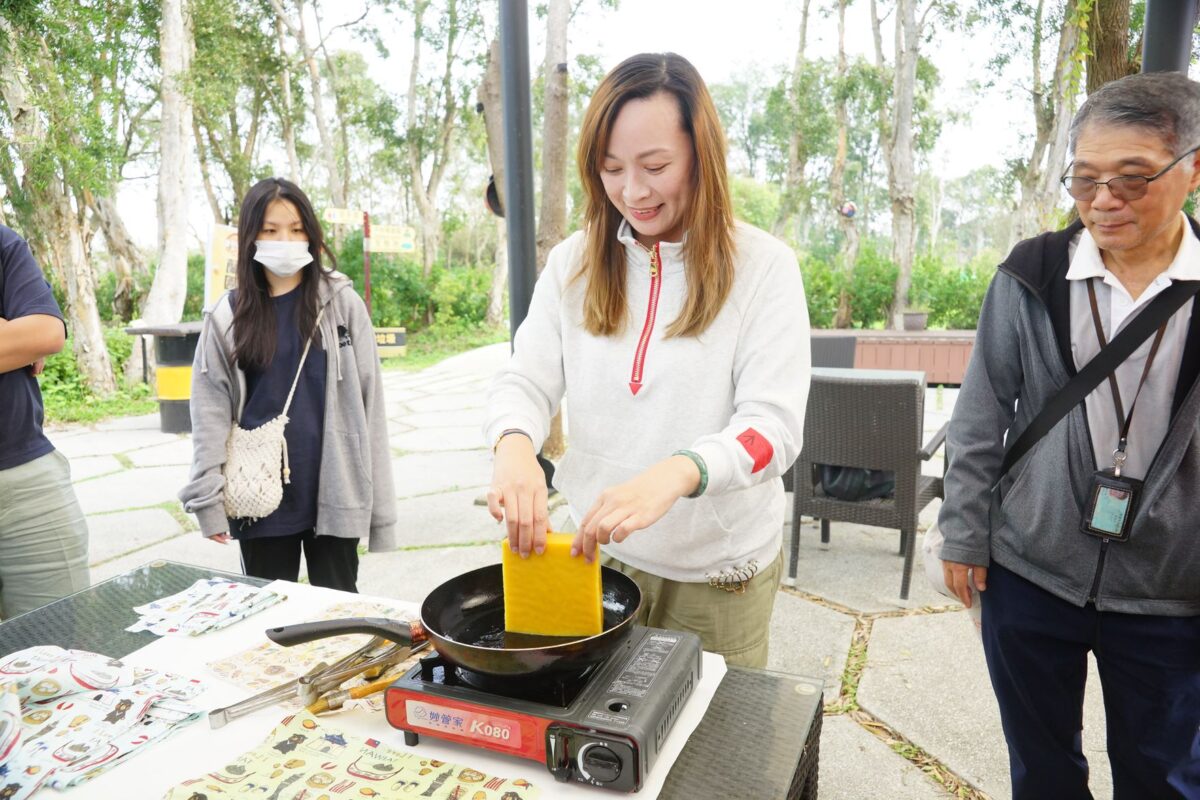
column 1167, row 46
column 518, row 158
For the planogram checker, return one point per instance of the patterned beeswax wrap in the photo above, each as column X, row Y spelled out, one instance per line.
column 206, row 605
column 306, row 759
column 270, row 664
column 68, row 715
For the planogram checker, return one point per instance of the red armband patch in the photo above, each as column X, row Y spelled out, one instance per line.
column 758, row 447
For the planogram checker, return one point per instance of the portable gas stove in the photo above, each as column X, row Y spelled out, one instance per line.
column 604, row 727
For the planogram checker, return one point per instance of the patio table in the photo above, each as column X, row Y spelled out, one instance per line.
column 759, row 737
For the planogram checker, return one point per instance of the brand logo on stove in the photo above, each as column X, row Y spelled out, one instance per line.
column 482, row 728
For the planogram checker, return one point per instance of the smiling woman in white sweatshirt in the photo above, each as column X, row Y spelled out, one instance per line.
column 681, row 338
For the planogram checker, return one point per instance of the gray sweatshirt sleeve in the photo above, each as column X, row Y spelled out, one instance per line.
column 982, row 416
column 211, row 404
column 370, row 375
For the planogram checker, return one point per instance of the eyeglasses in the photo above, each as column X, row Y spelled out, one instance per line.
column 1122, row 187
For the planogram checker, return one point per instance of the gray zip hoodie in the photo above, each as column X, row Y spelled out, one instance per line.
column 1030, row 523
column 357, row 496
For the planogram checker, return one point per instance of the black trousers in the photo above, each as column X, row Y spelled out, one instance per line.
column 332, row 561
column 1036, row 646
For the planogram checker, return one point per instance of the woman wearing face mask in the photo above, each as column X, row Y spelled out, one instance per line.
column 680, row 339
column 250, row 352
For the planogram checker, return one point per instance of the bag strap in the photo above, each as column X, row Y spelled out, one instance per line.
column 303, row 357
column 1106, row 361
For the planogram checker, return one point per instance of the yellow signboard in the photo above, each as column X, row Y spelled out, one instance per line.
column 344, row 216
column 393, row 239
column 220, row 263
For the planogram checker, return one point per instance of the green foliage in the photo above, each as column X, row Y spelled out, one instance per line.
column 952, row 293
column 754, row 202
column 66, row 394
column 193, row 305
column 821, row 285
column 400, row 294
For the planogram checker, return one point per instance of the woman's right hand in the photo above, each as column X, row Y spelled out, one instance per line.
column 223, row 538
column 518, row 494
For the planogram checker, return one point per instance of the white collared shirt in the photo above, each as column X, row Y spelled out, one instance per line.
column 1117, row 307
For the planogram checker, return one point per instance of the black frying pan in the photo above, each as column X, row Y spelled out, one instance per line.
column 464, row 619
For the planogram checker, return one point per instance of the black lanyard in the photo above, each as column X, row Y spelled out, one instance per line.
column 1123, row 419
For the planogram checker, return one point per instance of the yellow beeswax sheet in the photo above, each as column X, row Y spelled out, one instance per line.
column 552, row 594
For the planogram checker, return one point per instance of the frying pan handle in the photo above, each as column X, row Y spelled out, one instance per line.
column 390, row 629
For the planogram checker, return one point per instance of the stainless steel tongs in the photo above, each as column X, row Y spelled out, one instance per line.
column 322, row 678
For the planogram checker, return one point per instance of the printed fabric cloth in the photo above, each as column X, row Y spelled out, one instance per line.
column 268, row 664
column 306, row 759
column 68, row 715
column 206, row 605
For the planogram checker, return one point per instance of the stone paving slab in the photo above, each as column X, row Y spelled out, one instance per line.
column 926, row 677
column 187, row 548
column 135, row 488
column 112, row 535
column 855, row 764
column 809, row 639
column 447, row 402
column 460, row 437
column 99, row 443
column 860, row 568
column 422, row 473
column 412, row 574
column 462, row 418
column 178, row 452
column 146, row 422
column 85, row 467
column 446, row 518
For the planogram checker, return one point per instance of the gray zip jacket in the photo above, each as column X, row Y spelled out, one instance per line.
column 1029, row 523
column 357, row 495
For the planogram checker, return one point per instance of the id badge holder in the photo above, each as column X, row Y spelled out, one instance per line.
column 1112, row 501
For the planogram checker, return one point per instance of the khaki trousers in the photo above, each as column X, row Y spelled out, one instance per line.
column 737, row 626
column 43, row 535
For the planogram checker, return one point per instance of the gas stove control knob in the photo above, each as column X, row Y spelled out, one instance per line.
column 598, row 763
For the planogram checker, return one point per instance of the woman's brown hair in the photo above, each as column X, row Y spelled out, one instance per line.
column 253, row 313
column 708, row 221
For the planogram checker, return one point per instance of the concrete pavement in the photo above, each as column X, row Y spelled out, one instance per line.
column 907, row 694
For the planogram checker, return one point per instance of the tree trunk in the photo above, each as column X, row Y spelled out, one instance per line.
column 169, row 289
column 1108, row 34
column 307, row 52
column 901, row 175
column 797, row 156
column 837, row 181
column 127, row 259
column 286, row 122
column 488, row 96
column 339, row 106
column 1053, row 107
column 60, row 237
column 495, row 308
column 552, row 219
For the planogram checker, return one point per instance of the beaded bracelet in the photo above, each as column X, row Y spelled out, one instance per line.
column 700, row 465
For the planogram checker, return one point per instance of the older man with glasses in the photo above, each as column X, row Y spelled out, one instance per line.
column 1087, row 537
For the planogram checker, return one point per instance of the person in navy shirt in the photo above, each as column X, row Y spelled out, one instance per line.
column 43, row 534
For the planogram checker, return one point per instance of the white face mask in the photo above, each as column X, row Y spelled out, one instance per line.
column 284, row 259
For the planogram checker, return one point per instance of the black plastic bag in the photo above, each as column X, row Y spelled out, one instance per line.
column 856, row 483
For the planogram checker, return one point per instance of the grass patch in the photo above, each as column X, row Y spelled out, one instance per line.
column 856, row 661
column 438, row 342
column 125, row 403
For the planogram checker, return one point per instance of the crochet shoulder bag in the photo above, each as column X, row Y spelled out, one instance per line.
column 256, row 460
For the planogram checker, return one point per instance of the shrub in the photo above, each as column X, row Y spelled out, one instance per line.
column 871, row 287
column 953, row 294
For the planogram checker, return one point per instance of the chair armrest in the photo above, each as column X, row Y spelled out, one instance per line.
column 933, row 444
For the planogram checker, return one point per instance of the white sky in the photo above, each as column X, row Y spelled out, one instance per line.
column 721, row 38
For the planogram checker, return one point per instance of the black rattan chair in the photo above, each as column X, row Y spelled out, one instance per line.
column 866, row 418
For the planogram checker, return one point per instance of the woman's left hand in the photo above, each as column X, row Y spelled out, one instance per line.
column 636, row 504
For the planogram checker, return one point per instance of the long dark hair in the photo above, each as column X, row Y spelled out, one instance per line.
column 253, row 313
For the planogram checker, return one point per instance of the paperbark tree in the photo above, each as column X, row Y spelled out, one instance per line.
column 308, row 54
column 1053, row 107
column 798, row 151
column 164, row 304
column 837, row 182
column 287, row 111
column 1109, row 56
column 56, row 226
column 488, row 96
